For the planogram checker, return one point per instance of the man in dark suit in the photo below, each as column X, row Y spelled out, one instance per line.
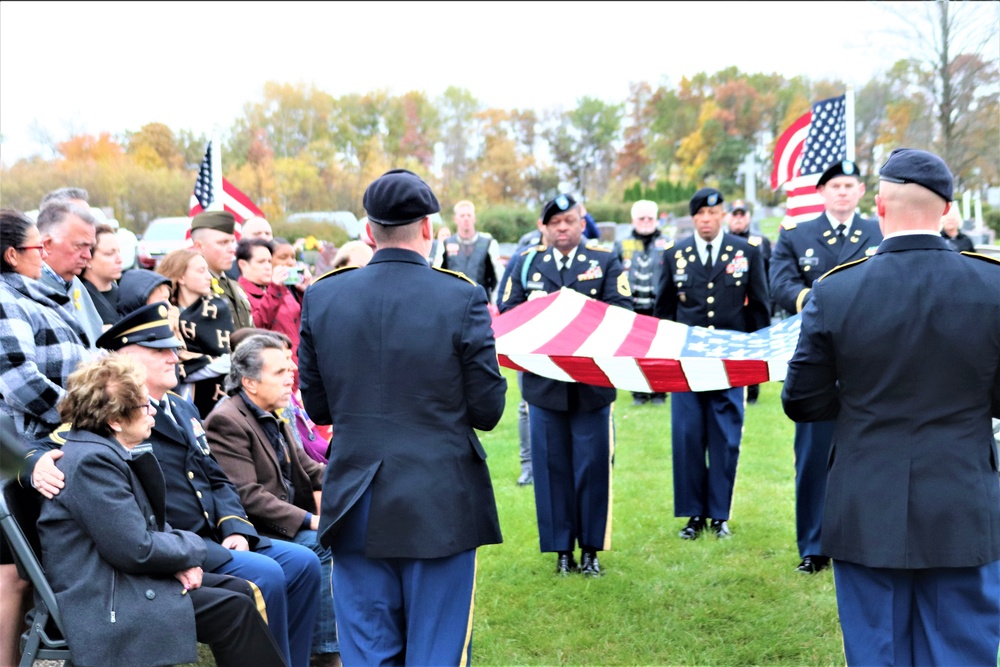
column 912, row 515
column 200, row 497
column 716, row 280
column 803, row 253
column 570, row 423
column 401, row 359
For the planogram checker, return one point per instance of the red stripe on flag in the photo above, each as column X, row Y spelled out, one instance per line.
column 664, row 374
column 777, row 179
column 745, row 372
column 238, row 195
column 814, row 210
column 517, row 316
column 638, row 340
column 579, row 329
column 505, row 361
column 582, row 369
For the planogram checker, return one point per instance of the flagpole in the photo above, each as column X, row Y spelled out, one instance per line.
column 849, row 122
column 217, row 203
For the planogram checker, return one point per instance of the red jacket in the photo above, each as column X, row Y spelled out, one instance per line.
column 275, row 308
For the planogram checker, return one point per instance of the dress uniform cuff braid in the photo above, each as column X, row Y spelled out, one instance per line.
column 801, row 299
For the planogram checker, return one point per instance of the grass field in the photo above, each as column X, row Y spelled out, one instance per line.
column 662, row 600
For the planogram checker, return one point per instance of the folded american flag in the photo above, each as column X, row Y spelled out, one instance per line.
column 570, row 337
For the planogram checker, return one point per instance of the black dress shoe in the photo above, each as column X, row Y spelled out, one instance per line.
column 813, row 564
column 721, row 528
column 565, row 563
column 589, row 565
column 695, row 525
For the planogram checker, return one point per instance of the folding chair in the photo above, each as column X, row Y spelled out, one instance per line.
column 19, row 509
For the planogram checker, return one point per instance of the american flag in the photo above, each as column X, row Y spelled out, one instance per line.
column 233, row 200
column 570, row 337
column 804, row 151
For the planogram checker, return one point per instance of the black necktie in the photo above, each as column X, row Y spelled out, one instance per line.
column 708, row 264
column 840, row 231
column 563, row 270
column 164, row 407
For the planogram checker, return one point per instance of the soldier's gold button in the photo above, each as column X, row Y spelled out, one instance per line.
column 198, row 493
column 711, row 299
column 711, row 313
column 190, row 475
column 711, row 285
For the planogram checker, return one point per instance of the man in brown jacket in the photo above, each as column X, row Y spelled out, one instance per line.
column 277, row 481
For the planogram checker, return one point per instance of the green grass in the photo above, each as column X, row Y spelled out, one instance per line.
column 662, row 600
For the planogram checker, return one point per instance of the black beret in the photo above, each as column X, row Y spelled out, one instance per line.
column 560, row 204
column 148, row 326
column 844, row 168
column 399, row 197
column 909, row 165
column 704, row 197
column 222, row 221
column 739, row 205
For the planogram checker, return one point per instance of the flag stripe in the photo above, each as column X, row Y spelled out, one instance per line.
column 787, row 149
column 232, row 199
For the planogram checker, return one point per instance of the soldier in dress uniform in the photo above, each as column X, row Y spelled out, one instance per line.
column 715, row 280
column 212, row 233
column 571, row 428
column 803, row 253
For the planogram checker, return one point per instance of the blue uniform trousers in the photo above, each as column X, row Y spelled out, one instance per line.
column 288, row 576
column 571, row 455
column 705, row 423
column 812, row 450
column 936, row 616
column 325, row 628
column 400, row 611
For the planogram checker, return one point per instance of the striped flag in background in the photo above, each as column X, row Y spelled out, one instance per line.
column 570, row 337
column 804, row 151
column 233, row 199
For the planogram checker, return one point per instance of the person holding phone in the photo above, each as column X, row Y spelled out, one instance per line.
column 267, row 285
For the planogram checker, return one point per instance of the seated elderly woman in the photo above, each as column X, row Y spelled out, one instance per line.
column 130, row 588
column 277, row 481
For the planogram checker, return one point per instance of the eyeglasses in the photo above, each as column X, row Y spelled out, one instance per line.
column 149, row 408
column 39, row 248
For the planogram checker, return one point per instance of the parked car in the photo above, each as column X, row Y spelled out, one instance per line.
column 343, row 219
column 163, row 235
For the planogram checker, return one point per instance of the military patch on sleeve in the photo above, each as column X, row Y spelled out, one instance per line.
column 981, row 256
column 841, row 267
column 457, row 274
column 335, row 272
column 623, row 287
column 507, row 288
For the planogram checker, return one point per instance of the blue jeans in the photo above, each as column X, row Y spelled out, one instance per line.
column 325, row 630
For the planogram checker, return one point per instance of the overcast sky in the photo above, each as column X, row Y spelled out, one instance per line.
column 67, row 68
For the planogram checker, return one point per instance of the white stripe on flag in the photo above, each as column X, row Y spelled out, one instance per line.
column 705, row 374
column 540, row 364
column 797, row 140
column 777, row 369
column 668, row 341
column 608, row 336
column 541, row 329
column 624, row 373
column 238, row 209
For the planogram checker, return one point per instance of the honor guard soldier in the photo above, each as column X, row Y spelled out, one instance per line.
column 401, row 359
column 202, row 499
column 902, row 350
column 803, row 253
column 213, row 235
column 715, row 280
column 570, row 423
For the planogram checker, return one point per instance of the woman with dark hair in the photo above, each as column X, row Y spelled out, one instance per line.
column 206, row 322
column 131, row 589
column 103, row 269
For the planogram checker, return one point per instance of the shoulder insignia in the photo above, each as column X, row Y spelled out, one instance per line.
column 335, row 272
column 457, row 274
column 535, row 248
column 754, row 240
column 593, row 244
column 669, row 246
column 789, row 224
column 841, row 267
column 58, row 436
column 981, row 256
